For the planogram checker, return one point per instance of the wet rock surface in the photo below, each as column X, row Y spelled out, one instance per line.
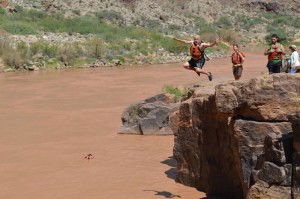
column 237, row 140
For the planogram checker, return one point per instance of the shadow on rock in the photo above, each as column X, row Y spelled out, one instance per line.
column 170, row 162
column 172, row 172
column 165, row 194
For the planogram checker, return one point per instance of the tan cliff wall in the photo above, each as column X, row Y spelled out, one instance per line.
column 236, row 141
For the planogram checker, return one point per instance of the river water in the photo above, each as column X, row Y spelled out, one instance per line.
column 50, row 120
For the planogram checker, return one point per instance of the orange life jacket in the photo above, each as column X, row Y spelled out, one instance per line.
column 275, row 55
column 195, row 52
column 236, row 58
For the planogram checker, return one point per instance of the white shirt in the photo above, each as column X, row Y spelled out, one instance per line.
column 295, row 59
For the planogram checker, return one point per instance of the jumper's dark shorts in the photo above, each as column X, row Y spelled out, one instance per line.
column 197, row 63
column 274, row 67
column 237, row 70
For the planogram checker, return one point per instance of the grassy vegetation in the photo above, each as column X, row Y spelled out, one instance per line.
column 203, row 26
column 110, row 41
column 109, row 15
column 284, row 35
column 224, row 22
column 135, row 112
column 281, row 25
column 118, row 42
column 295, row 43
column 282, row 20
column 246, row 22
column 10, row 56
column 177, row 92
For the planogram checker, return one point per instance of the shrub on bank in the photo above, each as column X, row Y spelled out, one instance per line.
column 13, row 59
column 282, row 33
column 16, row 27
column 46, row 49
column 109, row 15
column 229, row 35
column 246, row 22
column 203, row 27
column 179, row 93
column 2, row 11
column 224, row 22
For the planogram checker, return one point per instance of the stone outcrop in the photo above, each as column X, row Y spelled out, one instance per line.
column 236, row 140
column 274, row 6
column 150, row 116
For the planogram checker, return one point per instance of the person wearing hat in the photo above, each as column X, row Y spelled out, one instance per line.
column 275, row 53
column 295, row 58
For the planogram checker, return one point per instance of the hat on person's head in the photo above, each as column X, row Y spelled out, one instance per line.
column 294, row 47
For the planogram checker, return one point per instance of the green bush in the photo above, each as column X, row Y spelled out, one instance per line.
column 4, row 45
column 19, row 28
column 282, row 33
column 50, row 50
column 19, row 8
column 208, row 37
column 109, row 15
column 13, row 58
column 58, row 23
column 83, row 25
column 179, row 93
column 151, row 24
column 223, row 46
column 35, row 15
column 2, row 11
column 202, row 26
column 282, row 20
column 223, row 22
column 96, row 47
column 229, row 35
column 286, row 21
column 52, row 63
column 168, row 44
column 52, row 24
column 246, row 22
column 173, row 27
column 76, row 12
column 142, row 47
column 269, row 15
column 69, row 52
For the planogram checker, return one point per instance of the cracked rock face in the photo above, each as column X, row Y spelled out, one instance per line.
column 150, row 116
column 237, row 141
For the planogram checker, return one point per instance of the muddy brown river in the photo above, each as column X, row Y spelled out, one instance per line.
column 49, row 121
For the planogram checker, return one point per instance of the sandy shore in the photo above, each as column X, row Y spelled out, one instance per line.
column 51, row 119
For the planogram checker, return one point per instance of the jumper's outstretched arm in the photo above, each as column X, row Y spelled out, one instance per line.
column 182, row 41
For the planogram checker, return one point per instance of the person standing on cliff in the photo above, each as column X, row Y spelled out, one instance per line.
column 275, row 53
column 197, row 52
column 237, row 59
column 295, row 62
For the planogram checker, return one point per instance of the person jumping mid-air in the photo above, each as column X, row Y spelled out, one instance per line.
column 197, row 52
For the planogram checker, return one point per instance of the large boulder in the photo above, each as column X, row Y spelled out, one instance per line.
column 236, row 141
column 150, row 116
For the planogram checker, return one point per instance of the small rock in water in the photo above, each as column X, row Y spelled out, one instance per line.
column 33, row 68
